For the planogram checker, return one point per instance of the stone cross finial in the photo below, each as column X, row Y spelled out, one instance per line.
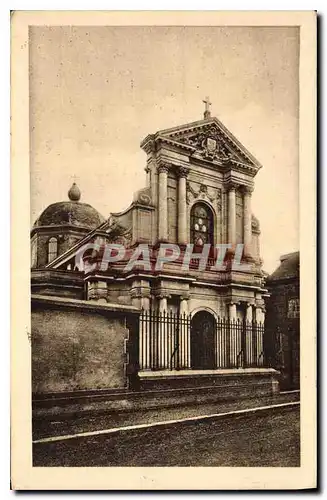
column 207, row 103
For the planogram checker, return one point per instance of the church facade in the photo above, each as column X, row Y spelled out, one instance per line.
column 200, row 180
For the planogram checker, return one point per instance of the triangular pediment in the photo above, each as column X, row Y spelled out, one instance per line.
column 210, row 139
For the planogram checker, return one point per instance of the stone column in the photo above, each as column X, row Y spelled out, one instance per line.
column 232, row 216
column 249, row 313
column 232, row 311
column 247, row 218
column 163, row 303
column 248, row 352
column 258, row 314
column 184, row 332
column 231, row 344
column 163, row 203
column 140, row 294
column 144, row 336
column 145, row 303
column 163, row 341
column 184, row 304
column 182, row 206
column 260, row 317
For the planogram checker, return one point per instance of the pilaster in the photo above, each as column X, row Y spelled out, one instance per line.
column 163, row 202
column 182, row 173
column 140, row 294
column 232, row 214
column 97, row 291
column 247, row 190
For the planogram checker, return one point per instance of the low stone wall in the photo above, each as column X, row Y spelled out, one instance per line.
column 84, row 361
column 80, row 345
column 189, row 390
column 243, row 382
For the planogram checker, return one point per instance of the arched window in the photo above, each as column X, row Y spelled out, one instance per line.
column 201, row 225
column 52, row 249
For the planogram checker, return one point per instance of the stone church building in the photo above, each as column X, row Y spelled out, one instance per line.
column 200, row 180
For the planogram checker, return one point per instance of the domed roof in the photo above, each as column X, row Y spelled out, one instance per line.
column 70, row 213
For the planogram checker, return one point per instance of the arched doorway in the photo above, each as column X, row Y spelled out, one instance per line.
column 203, row 333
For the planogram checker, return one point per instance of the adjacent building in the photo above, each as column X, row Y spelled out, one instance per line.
column 283, row 320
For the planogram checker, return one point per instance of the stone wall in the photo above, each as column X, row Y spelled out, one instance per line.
column 57, row 282
column 78, row 345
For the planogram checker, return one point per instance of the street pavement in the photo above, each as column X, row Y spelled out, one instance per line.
column 94, row 422
column 269, row 438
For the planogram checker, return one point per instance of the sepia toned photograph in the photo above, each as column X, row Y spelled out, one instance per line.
column 163, row 189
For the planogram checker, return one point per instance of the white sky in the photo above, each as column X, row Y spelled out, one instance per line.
column 96, row 92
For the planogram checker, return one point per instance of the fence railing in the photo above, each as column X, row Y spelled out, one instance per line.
column 168, row 341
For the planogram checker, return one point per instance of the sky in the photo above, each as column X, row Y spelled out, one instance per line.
column 96, row 92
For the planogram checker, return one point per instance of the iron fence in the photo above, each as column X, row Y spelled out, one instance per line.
column 167, row 342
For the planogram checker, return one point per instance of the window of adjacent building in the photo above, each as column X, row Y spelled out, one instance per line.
column 201, row 225
column 293, row 308
column 52, row 249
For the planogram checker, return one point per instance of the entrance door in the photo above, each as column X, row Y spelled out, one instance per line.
column 203, row 331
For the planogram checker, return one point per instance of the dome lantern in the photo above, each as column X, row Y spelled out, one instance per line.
column 74, row 194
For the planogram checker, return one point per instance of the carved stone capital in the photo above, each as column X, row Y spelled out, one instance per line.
column 260, row 303
column 232, row 186
column 140, row 292
column 233, row 301
column 247, row 190
column 163, row 168
column 182, row 172
column 162, row 293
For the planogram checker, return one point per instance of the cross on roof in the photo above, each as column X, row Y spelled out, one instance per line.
column 207, row 107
